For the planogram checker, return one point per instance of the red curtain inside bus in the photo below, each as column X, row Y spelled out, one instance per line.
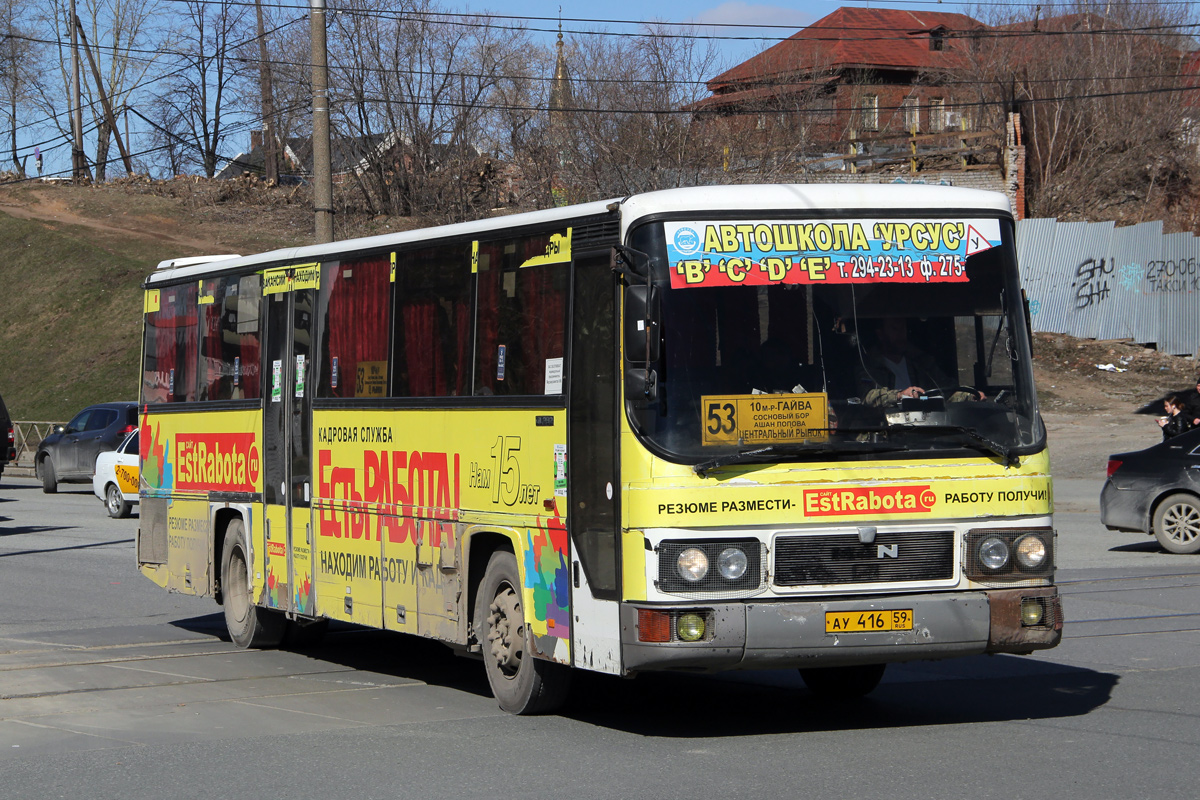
column 356, row 328
column 542, row 323
column 169, row 374
column 423, row 348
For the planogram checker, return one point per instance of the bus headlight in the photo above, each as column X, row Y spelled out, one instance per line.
column 732, row 563
column 993, row 553
column 1031, row 552
column 1006, row 555
column 692, row 564
column 704, row 568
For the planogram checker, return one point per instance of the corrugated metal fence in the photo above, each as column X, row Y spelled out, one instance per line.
column 1094, row 280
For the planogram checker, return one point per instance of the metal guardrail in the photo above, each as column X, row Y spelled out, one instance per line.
column 27, row 436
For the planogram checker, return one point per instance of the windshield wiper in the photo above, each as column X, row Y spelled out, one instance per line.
column 993, row 447
column 704, row 467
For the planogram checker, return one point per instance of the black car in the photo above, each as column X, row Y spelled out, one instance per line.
column 1157, row 490
column 68, row 455
column 8, row 439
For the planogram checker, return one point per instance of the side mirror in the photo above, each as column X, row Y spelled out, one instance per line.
column 62, row 429
column 642, row 314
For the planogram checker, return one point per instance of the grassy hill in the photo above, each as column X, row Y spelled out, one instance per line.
column 72, row 261
column 71, row 321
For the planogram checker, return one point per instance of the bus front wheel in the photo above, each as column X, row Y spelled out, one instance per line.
column 248, row 624
column 521, row 683
column 843, row 683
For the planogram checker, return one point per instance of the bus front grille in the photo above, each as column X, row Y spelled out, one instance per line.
column 892, row 557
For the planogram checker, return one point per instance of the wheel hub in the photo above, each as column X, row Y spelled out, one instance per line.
column 506, row 631
column 1182, row 524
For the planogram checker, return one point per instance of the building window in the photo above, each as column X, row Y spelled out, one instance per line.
column 953, row 118
column 937, row 39
column 869, row 111
column 912, row 114
column 937, row 114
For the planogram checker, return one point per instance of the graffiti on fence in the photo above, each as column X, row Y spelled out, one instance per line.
column 1096, row 280
column 1092, row 284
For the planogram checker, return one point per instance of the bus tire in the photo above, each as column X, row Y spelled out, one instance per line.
column 249, row 625
column 843, row 683
column 521, row 683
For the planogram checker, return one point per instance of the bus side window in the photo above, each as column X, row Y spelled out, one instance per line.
column 355, row 314
column 229, row 338
column 170, row 347
column 431, row 336
column 522, row 318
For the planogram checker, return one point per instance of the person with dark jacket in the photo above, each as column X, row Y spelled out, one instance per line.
column 1176, row 421
column 1191, row 403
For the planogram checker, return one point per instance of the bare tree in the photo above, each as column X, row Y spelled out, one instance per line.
column 415, row 101
column 18, row 71
column 200, row 87
column 1100, row 102
column 630, row 130
column 126, row 37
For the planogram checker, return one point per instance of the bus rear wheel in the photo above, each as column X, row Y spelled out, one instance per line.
column 843, row 683
column 521, row 683
column 249, row 625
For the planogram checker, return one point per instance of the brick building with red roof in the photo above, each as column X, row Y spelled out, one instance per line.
column 857, row 71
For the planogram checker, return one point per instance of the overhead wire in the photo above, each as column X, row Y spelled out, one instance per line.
column 453, row 19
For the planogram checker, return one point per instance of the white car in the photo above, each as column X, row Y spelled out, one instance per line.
column 116, row 478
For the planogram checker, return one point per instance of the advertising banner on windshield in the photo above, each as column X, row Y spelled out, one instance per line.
column 769, row 252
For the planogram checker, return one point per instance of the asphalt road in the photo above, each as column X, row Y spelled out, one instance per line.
column 111, row 688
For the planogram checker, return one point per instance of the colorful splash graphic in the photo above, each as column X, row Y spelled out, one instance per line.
column 547, row 575
column 156, row 467
column 277, row 590
column 303, row 596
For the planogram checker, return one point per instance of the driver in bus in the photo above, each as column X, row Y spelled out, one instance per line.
column 896, row 369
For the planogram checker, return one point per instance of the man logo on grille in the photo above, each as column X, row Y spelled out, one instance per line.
column 887, row 551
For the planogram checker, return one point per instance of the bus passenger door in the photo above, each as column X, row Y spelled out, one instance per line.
column 287, row 447
column 593, row 482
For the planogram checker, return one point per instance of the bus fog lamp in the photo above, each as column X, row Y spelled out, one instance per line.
column 1031, row 552
column 692, row 564
column 1032, row 612
column 993, row 553
column 732, row 563
column 690, row 627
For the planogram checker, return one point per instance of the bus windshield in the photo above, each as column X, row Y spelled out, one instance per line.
column 779, row 340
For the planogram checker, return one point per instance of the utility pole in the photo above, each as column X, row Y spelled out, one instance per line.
column 77, row 163
column 322, row 172
column 270, row 162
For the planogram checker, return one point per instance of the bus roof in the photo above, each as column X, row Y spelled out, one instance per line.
column 850, row 197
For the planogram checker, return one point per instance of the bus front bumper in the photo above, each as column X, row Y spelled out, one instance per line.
column 774, row 635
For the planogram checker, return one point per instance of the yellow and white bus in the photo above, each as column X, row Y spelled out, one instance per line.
column 718, row 428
